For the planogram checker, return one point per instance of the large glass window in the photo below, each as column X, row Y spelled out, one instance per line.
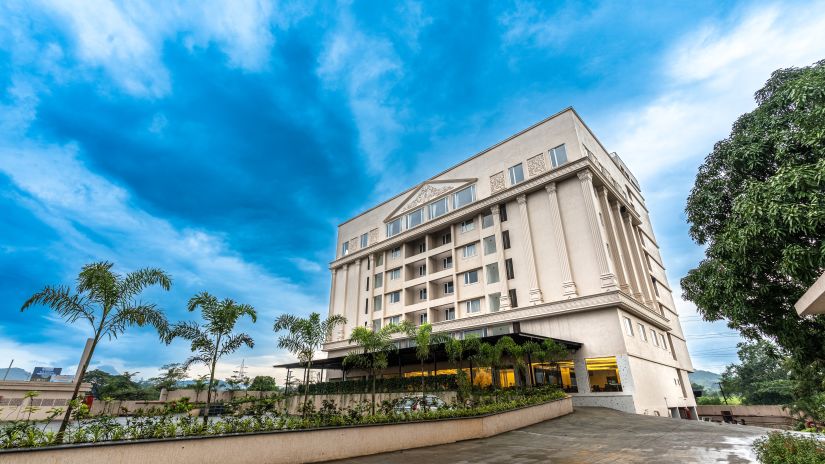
column 516, row 174
column 364, row 240
column 438, row 208
column 395, row 297
column 379, row 280
column 472, row 306
column 494, row 302
column 449, row 314
column 558, row 156
column 395, row 274
column 467, row 226
column 492, row 273
column 395, row 253
column 470, row 250
column 394, row 227
column 464, row 197
column 415, row 218
column 487, row 220
column 489, row 245
column 603, row 374
column 394, row 320
column 562, row 374
column 377, row 303
column 448, row 288
column 379, row 259
column 376, row 325
column 470, row 277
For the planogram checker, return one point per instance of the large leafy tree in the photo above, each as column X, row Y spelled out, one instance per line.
column 758, row 207
column 304, row 337
column 761, row 376
column 372, row 350
column 109, row 303
column 213, row 339
column 169, row 376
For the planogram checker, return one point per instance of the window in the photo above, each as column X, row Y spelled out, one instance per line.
column 395, row 274
column 376, row 325
column 422, row 294
column 505, row 239
column 446, row 238
column 395, row 297
column 516, row 174
column 489, row 245
column 655, row 286
column 365, row 240
column 487, row 220
column 415, row 218
column 469, row 250
column 508, row 269
column 438, row 208
column 494, row 302
column 379, row 259
column 366, row 306
column 422, row 246
column 422, row 318
column 377, row 303
column 655, row 337
column 368, row 265
column 368, row 283
column 664, row 343
column 603, row 374
column 642, row 333
column 395, row 253
column 649, row 266
column 344, row 248
column 464, row 197
column 492, row 273
column 502, row 210
column 447, row 263
column 467, row 225
column 628, row 326
column 448, row 288
column 558, row 156
column 472, row 306
column 470, row 277
column 394, row 320
column 422, row 270
column 513, row 298
column 379, row 280
column 449, row 314
column 394, row 227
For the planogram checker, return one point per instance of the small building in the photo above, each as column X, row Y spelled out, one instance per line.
column 543, row 235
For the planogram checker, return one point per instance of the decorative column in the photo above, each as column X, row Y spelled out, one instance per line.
column 333, row 271
column 644, row 275
column 567, row 283
column 602, row 259
column 527, row 246
column 627, row 255
column 342, row 331
column 610, row 225
column 371, row 296
column 504, row 298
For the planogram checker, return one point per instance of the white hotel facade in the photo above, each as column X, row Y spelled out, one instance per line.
column 544, row 235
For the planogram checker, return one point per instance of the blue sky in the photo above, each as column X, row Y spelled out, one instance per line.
column 223, row 142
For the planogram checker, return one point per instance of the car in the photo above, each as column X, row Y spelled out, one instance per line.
column 411, row 404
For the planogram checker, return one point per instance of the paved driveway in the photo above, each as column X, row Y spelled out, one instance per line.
column 594, row 435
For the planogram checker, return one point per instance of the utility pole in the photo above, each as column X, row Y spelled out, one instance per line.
column 722, row 391
column 7, row 370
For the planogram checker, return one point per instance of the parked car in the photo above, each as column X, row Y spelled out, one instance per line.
column 413, row 404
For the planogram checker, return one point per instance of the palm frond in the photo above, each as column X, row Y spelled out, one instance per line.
column 140, row 315
column 98, row 280
column 234, row 342
column 61, row 300
column 135, row 282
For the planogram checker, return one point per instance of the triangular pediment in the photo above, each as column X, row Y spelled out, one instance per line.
column 427, row 192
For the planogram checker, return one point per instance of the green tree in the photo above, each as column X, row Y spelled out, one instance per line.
column 457, row 350
column 425, row 343
column 169, row 376
column 109, row 303
column 199, row 385
column 213, row 339
column 761, row 376
column 304, row 337
column 263, row 383
column 506, row 345
column 373, row 349
column 119, row 387
column 758, row 207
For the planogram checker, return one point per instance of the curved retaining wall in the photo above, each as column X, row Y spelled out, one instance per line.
column 299, row 446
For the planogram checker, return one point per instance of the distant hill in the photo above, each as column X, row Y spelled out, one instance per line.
column 707, row 379
column 15, row 373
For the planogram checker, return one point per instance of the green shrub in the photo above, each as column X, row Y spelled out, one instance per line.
column 788, row 448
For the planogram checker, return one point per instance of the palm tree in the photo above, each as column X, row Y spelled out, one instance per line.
column 214, row 339
column 305, row 337
column 456, row 350
column 552, row 352
column 533, row 350
column 373, row 349
column 516, row 352
column 199, row 385
column 108, row 302
column 425, row 342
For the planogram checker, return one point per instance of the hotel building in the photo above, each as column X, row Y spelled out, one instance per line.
column 544, row 235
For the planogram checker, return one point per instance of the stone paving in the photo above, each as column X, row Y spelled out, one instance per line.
column 594, row 435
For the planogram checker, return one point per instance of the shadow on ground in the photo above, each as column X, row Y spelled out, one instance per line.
column 594, row 435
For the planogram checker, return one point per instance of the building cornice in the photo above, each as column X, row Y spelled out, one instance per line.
column 611, row 299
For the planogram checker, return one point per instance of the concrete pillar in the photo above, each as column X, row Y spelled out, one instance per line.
column 582, row 379
column 644, row 276
column 343, row 327
column 504, row 299
column 567, row 282
column 627, row 253
column 615, row 250
column 608, row 278
column 371, row 292
column 527, row 247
